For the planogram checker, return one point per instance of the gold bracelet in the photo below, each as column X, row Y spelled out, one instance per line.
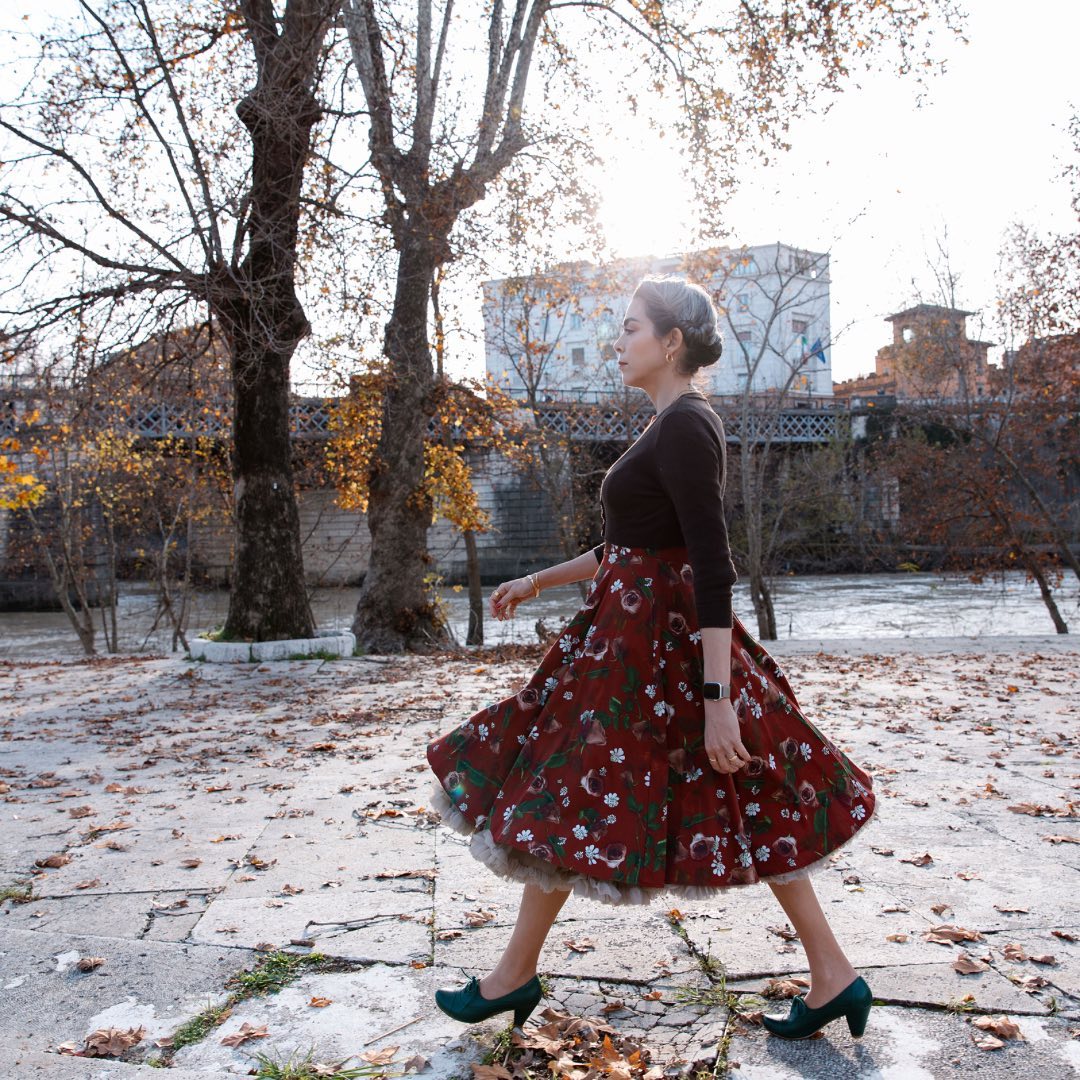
column 535, row 584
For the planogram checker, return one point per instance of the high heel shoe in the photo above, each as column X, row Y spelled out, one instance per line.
column 853, row 1002
column 469, row 1006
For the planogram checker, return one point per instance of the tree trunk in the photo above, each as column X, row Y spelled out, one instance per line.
column 475, row 635
column 264, row 322
column 394, row 612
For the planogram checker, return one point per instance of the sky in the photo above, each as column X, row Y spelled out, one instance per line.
column 879, row 178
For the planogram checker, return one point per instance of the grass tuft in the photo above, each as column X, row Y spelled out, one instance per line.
column 19, row 892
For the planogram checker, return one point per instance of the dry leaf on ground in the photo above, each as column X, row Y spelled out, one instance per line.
column 246, row 1031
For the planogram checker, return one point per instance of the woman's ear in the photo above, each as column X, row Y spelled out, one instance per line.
column 673, row 341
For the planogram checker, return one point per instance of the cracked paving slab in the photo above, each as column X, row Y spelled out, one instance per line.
column 200, row 811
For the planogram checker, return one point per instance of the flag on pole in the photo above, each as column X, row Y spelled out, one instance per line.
column 818, row 351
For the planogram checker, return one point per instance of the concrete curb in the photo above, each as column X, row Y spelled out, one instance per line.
column 238, row 652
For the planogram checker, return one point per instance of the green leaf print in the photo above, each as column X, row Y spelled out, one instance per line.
column 821, row 820
column 475, row 775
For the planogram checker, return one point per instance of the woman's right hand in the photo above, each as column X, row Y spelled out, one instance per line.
column 507, row 596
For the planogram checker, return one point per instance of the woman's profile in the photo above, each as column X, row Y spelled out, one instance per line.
column 658, row 748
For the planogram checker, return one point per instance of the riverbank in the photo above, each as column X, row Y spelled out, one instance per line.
column 173, row 823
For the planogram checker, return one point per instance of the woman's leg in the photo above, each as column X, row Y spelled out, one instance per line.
column 830, row 969
column 517, row 965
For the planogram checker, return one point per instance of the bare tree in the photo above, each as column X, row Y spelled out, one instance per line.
column 121, row 160
column 736, row 76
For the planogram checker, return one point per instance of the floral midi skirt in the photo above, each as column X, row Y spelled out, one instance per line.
column 593, row 776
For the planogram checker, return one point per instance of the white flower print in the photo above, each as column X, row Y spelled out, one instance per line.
column 648, row 777
column 695, row 636
column 772, row 762
column 612, row 557
column 566, row 801
column 682, row 686
column 592, row 853
column 618, row 754
column 785, row 812
column 755, row 708
column 745, row 858
column 796, row 816
column 589, row 633
column 616, row 585
column 804, row 749
column 577, row 854
column 659, row 708
column 611, row 819
column 650, row 690
column 521, row 739
column 752, row 809
column 483, row 730
column 602, row 770
column 859, row 789
column 718, row 867
column 668, row 646
column 524, row 835
column 534, row 732
column 550, row 683
column 611, row 799
column 580, row 832
column 762, row 853
column 508, row 812
column 692, row 776
column 858, row 812
column 566, row 642
column 663, row 813
column 776, row 671
column 568, row 695
column 662, row 662
column 563, row 790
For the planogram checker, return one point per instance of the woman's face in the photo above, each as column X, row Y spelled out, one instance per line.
column 642, row 355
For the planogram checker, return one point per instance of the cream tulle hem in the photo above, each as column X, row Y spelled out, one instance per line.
column 513, row 865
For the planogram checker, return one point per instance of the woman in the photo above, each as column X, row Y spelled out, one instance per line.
column 658, row 747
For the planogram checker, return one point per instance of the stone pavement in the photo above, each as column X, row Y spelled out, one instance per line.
column 180, row 822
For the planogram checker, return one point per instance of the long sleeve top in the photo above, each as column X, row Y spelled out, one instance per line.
column 667, row 490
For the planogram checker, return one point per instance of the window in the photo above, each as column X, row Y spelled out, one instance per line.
column 743, row 301
column 577, row 358
column 908, row 333
column 745, row 339
column 800, row 326
column 575, row 320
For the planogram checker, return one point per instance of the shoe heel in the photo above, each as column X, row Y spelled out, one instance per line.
column 523, row 1011
column 856, row 1019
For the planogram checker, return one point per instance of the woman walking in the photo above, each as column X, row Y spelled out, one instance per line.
column 658, row 747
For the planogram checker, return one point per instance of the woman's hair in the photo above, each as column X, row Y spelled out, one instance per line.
column 671, row 302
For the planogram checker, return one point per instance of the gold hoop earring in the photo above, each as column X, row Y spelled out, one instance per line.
column 668, row 358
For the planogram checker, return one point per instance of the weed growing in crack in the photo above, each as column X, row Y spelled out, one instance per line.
column 308, row 1068
column 19, row 892
column 270, row 974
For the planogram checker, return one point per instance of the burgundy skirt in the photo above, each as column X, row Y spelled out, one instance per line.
column 593, row 776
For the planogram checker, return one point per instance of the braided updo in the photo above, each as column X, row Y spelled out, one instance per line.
column 671, row 302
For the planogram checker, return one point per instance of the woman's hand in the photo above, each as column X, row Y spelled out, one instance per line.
column 507, row 596
column 723, row 743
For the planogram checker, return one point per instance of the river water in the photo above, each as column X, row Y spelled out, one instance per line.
column 822, row 606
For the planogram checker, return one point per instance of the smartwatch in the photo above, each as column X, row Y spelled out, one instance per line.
column 715, row 690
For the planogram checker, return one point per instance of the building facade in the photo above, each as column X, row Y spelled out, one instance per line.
column 550, row 333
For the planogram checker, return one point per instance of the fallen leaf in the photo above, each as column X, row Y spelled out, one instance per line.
column 246, row 1031
column 1001, row 1026
column 967, row 965
column 1011, row 910
column 92, row 883
column 1030, row 983
column 417, row 1063
column 1064, row 935
column 380, row 1057
column 784, row 988
column 883, row 851
column 966, row 875
column 946, row 934
column 937, row 909
column 319, row 1002
column 925, row 859
column 1045, row 958
column 490, row 1072
column 896, row 937
column 1014, row 952
column 580, row 946
column 112, row 1042
column 190, row 864
column 89, row 963
column 80, row 812
column 54, row 862
column 986, row 1042
column 785, row 931
column 1063, row 839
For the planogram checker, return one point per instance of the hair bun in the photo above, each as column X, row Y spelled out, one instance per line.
column 673, row 302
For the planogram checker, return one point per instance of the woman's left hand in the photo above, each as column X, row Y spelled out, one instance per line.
column 723, row 742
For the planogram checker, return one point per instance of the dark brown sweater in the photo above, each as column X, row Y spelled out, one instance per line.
column 667, row 490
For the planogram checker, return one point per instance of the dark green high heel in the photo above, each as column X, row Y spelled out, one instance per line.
column 469, row 1006
column 853, row 1003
